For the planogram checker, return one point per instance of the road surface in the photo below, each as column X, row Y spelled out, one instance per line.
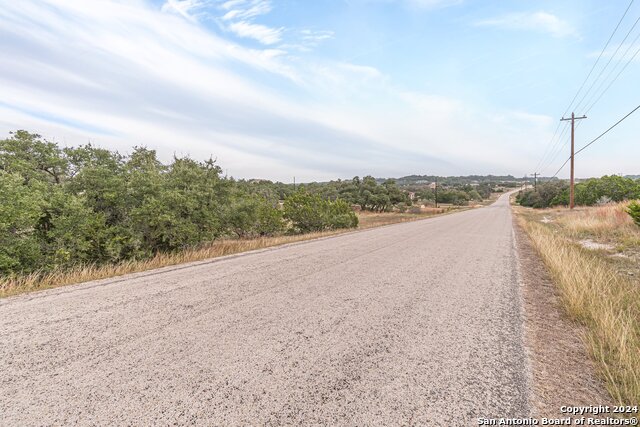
column 418, row 323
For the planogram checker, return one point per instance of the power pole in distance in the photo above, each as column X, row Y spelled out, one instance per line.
column 573, row 127
column 436, row 188
column 535, row 181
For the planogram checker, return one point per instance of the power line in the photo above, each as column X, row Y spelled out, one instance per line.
column 615, row 78
column 558, row 146
column 597, row 138
column 551, row 141
column 606, row 131
column 607, row 64
column 560, row 168
column 549, row 144
column 599, row 56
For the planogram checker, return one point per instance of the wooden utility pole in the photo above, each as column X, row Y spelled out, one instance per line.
column 436, row 189
column 535, row 181
column 573, row 127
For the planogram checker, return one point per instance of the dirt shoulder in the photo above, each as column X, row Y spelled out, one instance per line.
column 562, row 372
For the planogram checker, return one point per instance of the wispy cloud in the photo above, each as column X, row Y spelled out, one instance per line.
column 239, row 18
column 238, row 9
column 534, row 21
column 261, row 33
column 188, row 9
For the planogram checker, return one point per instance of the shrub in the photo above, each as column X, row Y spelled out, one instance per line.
column 550, row 193
column 634, row 211
column 254, row 216
column 309, row 213
column 341, row 215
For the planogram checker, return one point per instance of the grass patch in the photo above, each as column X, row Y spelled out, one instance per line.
column 592, row 290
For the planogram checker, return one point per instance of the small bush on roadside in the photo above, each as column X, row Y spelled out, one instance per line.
column 634, row 211
column 309, row 213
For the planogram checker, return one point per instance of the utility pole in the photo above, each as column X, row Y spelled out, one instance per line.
column 573, row 127
column 436, row 188
column 535, row 181
column 294, row 184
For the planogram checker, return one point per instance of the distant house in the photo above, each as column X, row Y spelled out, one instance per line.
column 432, row 186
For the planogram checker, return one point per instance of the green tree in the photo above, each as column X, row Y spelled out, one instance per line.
column 28, row 155
column 20, row 212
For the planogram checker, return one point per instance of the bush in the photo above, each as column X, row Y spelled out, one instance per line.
column 254, row 216
column 634, row 211
column 309, row 213
column 341, row 215
column 550, row 193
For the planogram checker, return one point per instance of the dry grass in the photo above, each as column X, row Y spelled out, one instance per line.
column 608, row 222
column 593, row 292
column 38, row 281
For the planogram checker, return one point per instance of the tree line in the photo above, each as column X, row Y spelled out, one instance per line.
column 593, row 191
column 79, row 205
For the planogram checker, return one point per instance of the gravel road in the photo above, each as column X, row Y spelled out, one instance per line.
column 418, row 323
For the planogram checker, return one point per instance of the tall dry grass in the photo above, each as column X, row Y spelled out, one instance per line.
column 593, row 294
column 606, row 222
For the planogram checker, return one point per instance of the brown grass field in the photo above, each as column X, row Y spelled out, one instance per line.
column 37, row 281
column 592, row 254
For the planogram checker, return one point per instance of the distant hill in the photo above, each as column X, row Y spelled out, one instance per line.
column 457, row 180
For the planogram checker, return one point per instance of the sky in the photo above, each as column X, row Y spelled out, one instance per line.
column 328, row 89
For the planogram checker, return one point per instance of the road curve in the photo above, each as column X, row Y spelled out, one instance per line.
column 412, row 324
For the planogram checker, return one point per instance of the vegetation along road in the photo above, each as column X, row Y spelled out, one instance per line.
column 414, row 323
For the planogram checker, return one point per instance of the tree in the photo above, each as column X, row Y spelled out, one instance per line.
column 28, row 155
column 20, row 212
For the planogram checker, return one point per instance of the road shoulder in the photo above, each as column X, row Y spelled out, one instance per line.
column 562, row 372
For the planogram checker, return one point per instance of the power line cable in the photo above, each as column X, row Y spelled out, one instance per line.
column 599, row 56
column 606, row 131
column 550, row 143
column 597, row 138
column 607, row 64
column 614, row 79
column 558, row 146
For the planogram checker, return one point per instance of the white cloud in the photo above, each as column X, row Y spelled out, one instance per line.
column 537, row 21
column 185, row 8
column 246, row 10
column 263, row 34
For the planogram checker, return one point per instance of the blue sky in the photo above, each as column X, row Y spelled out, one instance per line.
column 326, row 89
